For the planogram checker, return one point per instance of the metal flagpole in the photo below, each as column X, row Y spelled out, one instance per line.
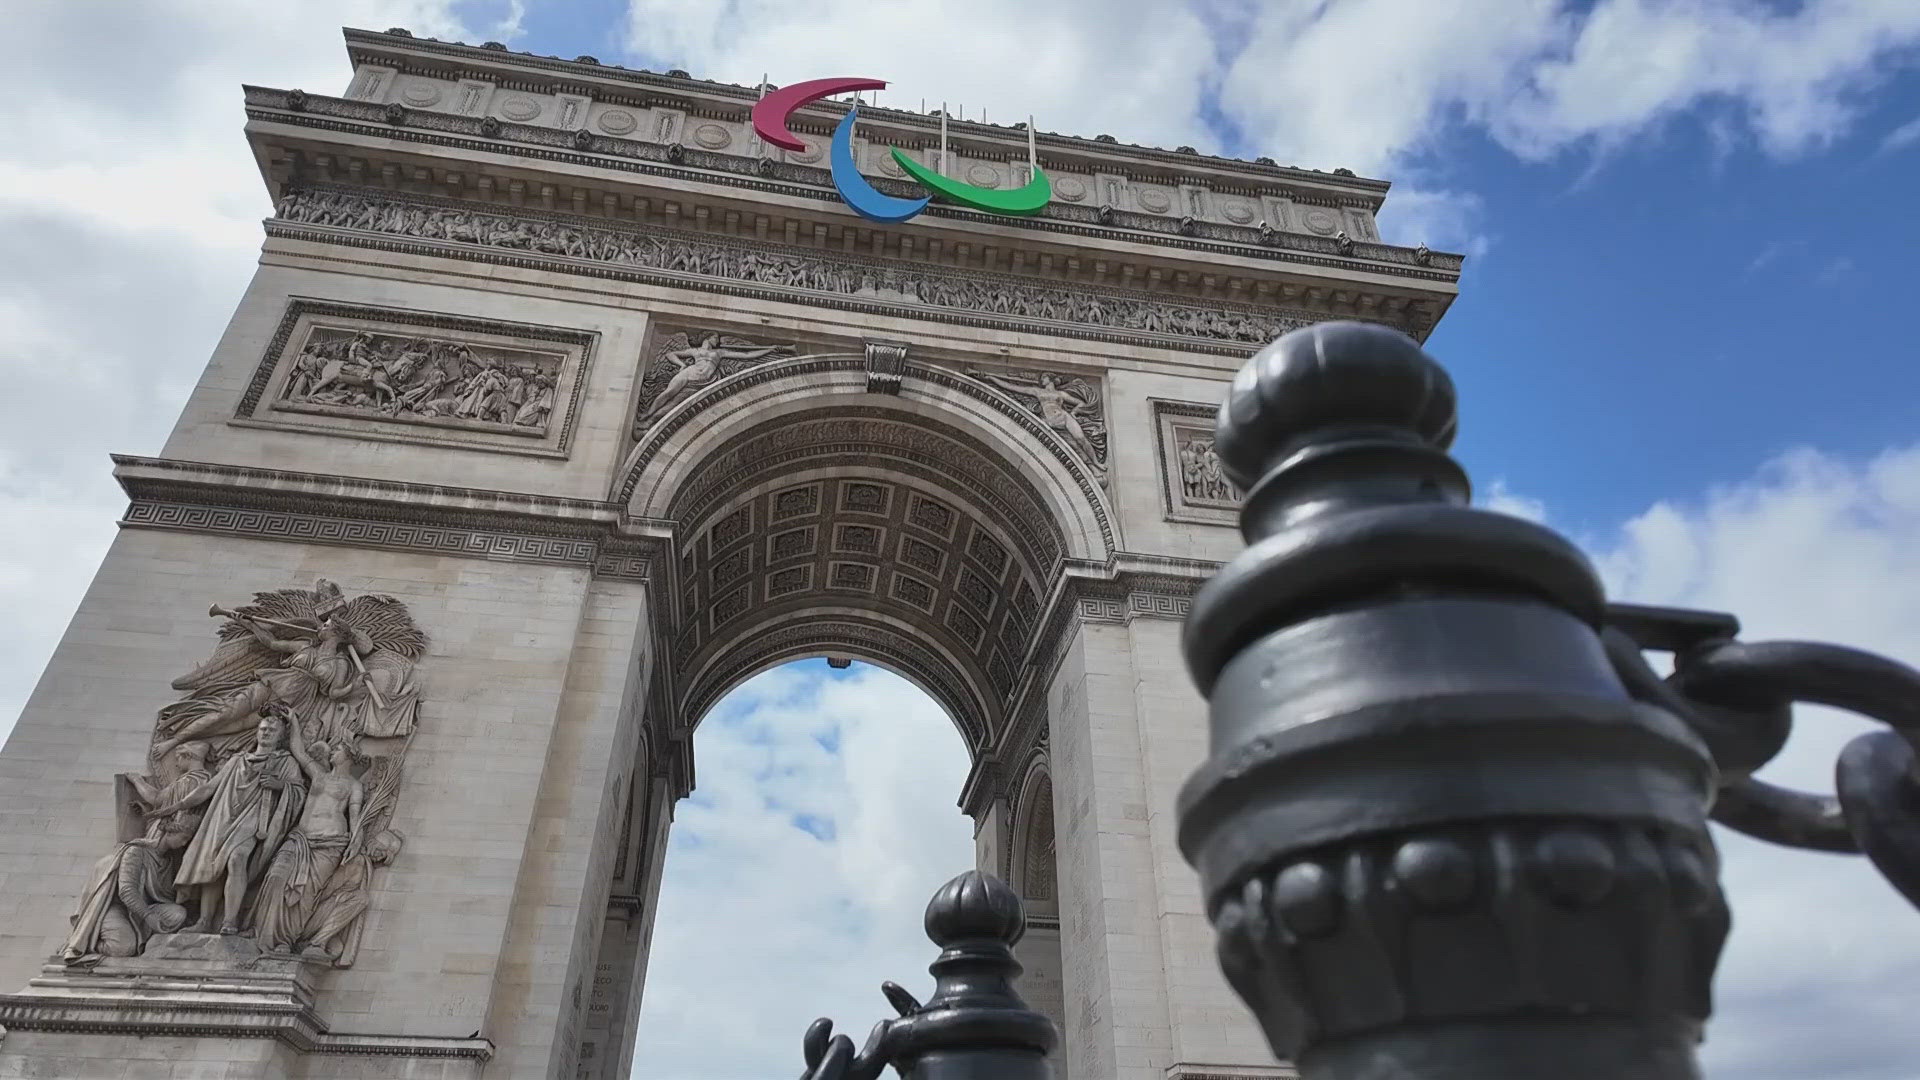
column 1033, row 159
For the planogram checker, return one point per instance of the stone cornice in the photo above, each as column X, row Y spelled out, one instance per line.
column 997, row 301
column 676, row 163
column 142, row 1013
column 408, row 53
column 313, row 508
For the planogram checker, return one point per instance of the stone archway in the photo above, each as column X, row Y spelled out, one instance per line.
column 921, row 526
column 922, row 523
column 588, row 590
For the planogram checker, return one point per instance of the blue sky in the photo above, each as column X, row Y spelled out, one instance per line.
column 1649, row 311
column 1683, row 338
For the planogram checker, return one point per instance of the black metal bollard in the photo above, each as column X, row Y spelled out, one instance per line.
column 1438, row 838
column 975, row 1026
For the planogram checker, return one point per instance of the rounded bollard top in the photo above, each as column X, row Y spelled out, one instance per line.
column 974, row 907
column 1325, row 376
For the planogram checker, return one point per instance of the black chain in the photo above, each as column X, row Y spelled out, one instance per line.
column 1738, row 697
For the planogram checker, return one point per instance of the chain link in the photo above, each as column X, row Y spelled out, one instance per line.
column 1738, row 697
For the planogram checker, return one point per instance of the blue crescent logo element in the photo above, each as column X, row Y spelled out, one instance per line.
column 867, row 201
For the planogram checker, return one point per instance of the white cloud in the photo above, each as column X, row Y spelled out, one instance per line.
column 1321, row 83
column 1133, row 68
column 764, row 925
column 1823, row 953
column 129, row 223
column 1504, row 499
column 1794, row 75
column 1901, row 137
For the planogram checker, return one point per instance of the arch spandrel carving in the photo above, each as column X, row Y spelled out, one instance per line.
column 1001, row 431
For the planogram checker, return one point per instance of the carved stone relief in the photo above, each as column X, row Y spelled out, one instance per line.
column 686, row 363
column 420, row 377
column 1068, row 404
column 1196, row 488
column 988, row 297
column 1201, row 478
column 267, row 806
column 440, row 381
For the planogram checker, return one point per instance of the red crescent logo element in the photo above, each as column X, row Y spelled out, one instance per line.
column 770, row 113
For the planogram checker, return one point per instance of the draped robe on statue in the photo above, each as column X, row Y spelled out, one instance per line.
column 244, row 806
column 125, row 887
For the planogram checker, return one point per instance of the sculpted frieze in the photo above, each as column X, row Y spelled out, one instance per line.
column 267, row 805
column 438, row 381
column 792, row 268
column 398, row 375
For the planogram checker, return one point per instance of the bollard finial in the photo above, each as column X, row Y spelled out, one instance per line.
column 1325, row 380
column 1436, row 835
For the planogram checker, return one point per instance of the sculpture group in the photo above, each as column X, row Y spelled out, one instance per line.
column 1200, row 474
column 270, row 793
column 388, row 375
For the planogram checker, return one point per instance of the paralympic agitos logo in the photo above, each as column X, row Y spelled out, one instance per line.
column 770, row 122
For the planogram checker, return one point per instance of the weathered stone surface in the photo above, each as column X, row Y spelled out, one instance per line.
column 748, row 428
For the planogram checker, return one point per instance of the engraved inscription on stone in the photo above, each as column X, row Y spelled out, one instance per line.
column 267, row 805
column 438, row 381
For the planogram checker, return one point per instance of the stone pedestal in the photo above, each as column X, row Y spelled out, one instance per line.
column 203, row 1004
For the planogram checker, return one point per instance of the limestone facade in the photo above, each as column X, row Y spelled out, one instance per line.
column 654, row 411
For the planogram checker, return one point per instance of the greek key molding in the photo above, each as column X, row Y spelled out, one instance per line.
column 307, row 508
column 769, row 271
column 140, row 1013
column 353, row 532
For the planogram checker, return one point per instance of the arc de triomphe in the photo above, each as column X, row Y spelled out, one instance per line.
column 559, row 404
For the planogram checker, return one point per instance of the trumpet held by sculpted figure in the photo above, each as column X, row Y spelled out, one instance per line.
column 343, row 668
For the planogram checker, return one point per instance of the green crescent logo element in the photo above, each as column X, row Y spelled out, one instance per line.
column 1019, row 202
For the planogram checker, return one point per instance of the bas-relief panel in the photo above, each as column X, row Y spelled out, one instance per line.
column 968, row 296
column 421, row 377
column 266, row 808
column 1194, row 488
